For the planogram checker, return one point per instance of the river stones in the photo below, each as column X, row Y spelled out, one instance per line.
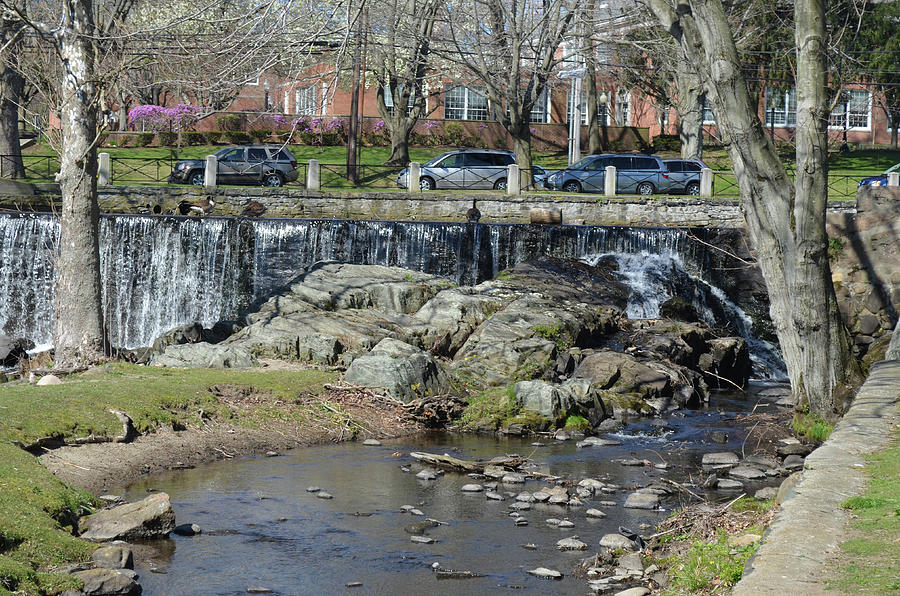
column 494, row 496
column 103, row 582
column 426, row 475
column 113, row 557
column 520, row 506
column 372, row 443
column 723, row 458
column 148, row 518
column 525, row 497
column 313, row 489
column 324, row 495
column 747, row 473
column 595, row 513
column 545, row 573
column 614, row 541
column 472, row 488
column 572, row 543
column 421, row 539
column 631, row 563
column 513, row 478
column 793, row 462
column 187, row 530
column 638, row 591
column 641, row 500
column 729, row 484
column 592, row 484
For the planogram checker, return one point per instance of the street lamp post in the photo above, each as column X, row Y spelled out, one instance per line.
column 576, row 74
column 266, row 92
column 604, row 107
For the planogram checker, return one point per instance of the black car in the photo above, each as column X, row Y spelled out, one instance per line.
column 262, row 165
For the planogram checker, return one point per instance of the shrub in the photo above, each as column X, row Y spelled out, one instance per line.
column 667, row 143
column 194, row 138
column 213, row 137
column 811, row 427
column 453, row 131
column 577, row 423
column 229, row 122
column 167, row 138
column 259, row 135
column 237, row 137
column 125, row 140
column 145, row 138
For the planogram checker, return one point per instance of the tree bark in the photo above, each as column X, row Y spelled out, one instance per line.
column 689, row 104
column 80, row 335
column 12, row 86
column 786, row 221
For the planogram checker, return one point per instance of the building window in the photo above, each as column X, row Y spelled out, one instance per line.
column 541, row 111
column 853, row 110
column 389, row 100
column 623, row 108
column 463, row 103
column 305, row 101
column 708, row 116
column 781, row 107
column 570, row 107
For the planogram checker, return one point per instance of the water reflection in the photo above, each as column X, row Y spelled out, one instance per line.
column 262, row 528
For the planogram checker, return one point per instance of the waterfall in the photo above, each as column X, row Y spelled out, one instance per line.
column 162, row 271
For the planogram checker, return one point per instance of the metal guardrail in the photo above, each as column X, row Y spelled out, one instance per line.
column 156, row 170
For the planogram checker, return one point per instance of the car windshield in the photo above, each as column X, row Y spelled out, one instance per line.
column 434, row 160
column 583, row 163
column 893, row 168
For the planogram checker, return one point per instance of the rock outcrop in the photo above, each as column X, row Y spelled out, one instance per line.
column 149, row 518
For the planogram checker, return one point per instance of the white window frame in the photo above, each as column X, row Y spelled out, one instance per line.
column 467, row 110
column 305, row 101
column 785, row 107
column 707, row 114
column 623, row 103
column 584, row 114
column 843, row 111
column 540, row 113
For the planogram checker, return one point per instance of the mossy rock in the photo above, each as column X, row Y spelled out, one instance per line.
column 529, row 419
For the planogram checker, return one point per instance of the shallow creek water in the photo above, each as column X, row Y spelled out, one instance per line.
column 262, row 528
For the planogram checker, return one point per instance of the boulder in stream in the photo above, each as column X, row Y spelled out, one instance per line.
column 148, row 518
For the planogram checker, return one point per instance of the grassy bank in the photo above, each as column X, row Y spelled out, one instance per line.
column 37, row 510
column 870, row 560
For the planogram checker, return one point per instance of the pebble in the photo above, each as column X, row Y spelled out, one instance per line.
column 415, row 512
column 722, row 458
column 353, row 584
column 494, row 496
column 313, row 489
column 595, row 513
column 271, row 454
column 421, row 539
column 521, row 521
column 530, row 546
column 187, row 530
column 572, row 543
column 324, row 495
column 538, row 444
column 406, row 507
column 525, row 497
column 607, row 503
column 566, row 524
column 544, row 573
column 372, row 442
column 631, row 461
column 513, row 478
column 520, row 506
column 426, row 475
column 472, row 488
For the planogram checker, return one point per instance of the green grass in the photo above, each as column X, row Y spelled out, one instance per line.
column 37, row 511
column 491, row 407
column 869, row 559
column 707, row 566
column 811, row 427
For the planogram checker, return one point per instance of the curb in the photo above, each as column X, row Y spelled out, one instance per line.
column 810, row 526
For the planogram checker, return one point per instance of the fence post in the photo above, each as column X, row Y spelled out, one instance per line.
column 609, row 181
column 212, row 169
column 894, row 179
column 312, row 175
column 513, row 183
column 104, row 171
column 706, row 180
column 414, row 177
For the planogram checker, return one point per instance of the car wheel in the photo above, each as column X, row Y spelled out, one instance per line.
column 572, row 186
column 197, row 178
column 645, row 188
column 426, row 184
column 500, row 184
column 693, row 188
column 272, row 179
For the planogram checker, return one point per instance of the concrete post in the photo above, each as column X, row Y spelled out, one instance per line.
column 212, row 169
column 706, row 179
column 104, row 171
column 513, row 182
column 413, row 177
column 312, row 175
column 609, row 181
column 894, row 179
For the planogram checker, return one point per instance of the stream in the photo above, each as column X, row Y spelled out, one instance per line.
column 262, row 529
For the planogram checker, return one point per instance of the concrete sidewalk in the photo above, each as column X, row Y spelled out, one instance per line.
column 810, row 525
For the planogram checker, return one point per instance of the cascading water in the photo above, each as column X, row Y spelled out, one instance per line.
column 657, row 277
column 160, row 272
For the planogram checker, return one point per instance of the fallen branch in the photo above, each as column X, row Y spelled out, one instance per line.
column 477, row 467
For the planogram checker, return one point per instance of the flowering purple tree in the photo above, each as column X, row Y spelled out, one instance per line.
column 160, row 118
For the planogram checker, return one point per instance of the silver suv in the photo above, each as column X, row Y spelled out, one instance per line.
column 635, row 173
column 463, row 169
column 262, row 165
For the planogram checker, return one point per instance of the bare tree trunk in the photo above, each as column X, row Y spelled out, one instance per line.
column 80, row 335
column 521, row 135
column 595, row 144
column 399, row 140
column 689, row 103
column 12, row 86
column 786, row 222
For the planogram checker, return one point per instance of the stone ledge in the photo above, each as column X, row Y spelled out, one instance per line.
column 810, row 526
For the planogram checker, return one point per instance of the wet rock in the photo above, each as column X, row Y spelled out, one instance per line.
column 575, row 502
column 494, row 496
column 421, row 539
column 258, row 590
column 513, row 478
column 525, row 497
column 530, row 546
column 631, row 563
column 797, row 448
column 572, row 543
column 11, row 350
column 416, row 512
column 728, row 484
column 519, row 506
column 591, row 484
column 107, row 582
column 765, row 493
column 324, row 495
column 723, row 458
column 419, row 528
column 793, row 462
column 426, row 475
column 746, row 473
column 760, row 461
column 494, row 472
column 631, row 462
column 566, row 524
column 641, row 500
column 718, row 436
column 561, row 435
column 149, row 518
column 313, row 489
column 545, row 573
column 187, row 529
column 472, row 488
column 521, row 521
column 552, row 521
column 607, row 503
column 372, row 442
column 638, row 591
column 595, row 513
column 601, row 442
column 558, row 500
column 113, row 557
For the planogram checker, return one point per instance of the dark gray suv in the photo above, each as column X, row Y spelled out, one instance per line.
column 635, row 174
column 464, row 169
column 262, row 165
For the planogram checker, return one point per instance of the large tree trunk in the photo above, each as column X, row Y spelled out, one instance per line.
column 12, row 85
column 689, row 104
column 894, row 118
column 786, row 221
column 80, row 335
column 521, row 135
